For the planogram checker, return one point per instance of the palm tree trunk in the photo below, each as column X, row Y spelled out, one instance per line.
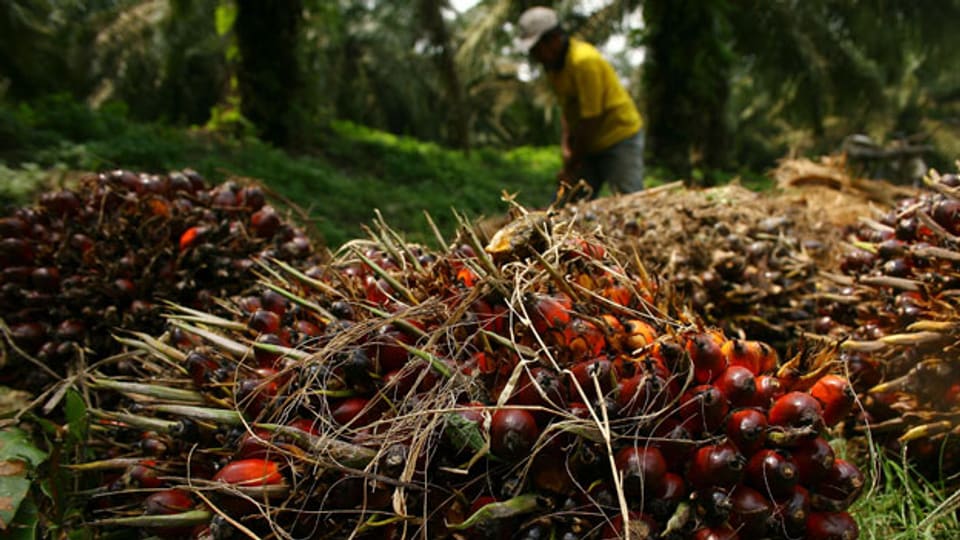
column 432, row 17
column 269, row 76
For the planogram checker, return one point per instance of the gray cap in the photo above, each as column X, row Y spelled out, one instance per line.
column 533, row 24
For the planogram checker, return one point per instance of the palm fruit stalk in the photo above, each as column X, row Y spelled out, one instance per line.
column 540, row 391
column 83, row 262
column 894, row 301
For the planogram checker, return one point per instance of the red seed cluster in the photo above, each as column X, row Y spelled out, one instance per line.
column 895, row 301
column 83, row 262
column 398, row 392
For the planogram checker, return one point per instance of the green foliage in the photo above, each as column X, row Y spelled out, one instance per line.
column 898, row 502
column 19, row 457
column 359, row 170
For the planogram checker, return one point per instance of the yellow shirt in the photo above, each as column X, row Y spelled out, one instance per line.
column 587, row 86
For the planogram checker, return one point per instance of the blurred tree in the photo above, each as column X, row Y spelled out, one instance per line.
column 269, row 74
column 687, row 80
column 441, row 49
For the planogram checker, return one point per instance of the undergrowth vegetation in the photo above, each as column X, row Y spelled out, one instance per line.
column 353, row 171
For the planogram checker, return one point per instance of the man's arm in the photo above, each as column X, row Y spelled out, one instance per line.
column 575, row 143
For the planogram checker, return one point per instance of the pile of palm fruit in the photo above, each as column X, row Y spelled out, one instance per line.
column 743, row 261
column 535, row 388
column 84, row 262
column 894, row 300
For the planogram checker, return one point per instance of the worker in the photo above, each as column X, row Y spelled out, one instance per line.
column 602, row 139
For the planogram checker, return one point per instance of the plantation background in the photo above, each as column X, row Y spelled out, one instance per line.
column 317, row 98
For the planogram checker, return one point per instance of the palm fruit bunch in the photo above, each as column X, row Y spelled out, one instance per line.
column 744, row 261
column 894, row 301
column 531, row 388
column 82, row 262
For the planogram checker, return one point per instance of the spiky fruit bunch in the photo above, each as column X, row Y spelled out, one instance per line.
column 895, row 299
column 403, row 393
column 83, row 262
column 745, row 262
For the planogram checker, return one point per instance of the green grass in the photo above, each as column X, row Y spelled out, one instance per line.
column 898, row 503
column 354, row 172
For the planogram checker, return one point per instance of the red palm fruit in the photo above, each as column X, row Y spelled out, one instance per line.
column 744, row 353
column 578, row 409
column 583, row 339
column 674, row 442
column 839, row 488
column 548, row 312
column 377, row 291
column 353, row 411
column 618, row 294
column 549, row 472
column 71, row 330
column 670, row 353
column 307, row 329
column 466, row 277
column 790, row 514
column 255, row 444
column 273, row 301
column 18, row 275
column 416, row 376
column 253, row 197
column 168, row 501
column 814, row 459
column 641, row 526
column 250, row 304
column 712, row 504
column 582, row 375
column 642, row 469
column 772, row 474
column 46, row 279
column 145, row 475
column 738, row 386
column 192, row 237
column 702, row 409
column 513, row 432
column 614, row 331
column 265, row 222
column 769, row 389
column 718, row 465
column 831, row 526
column 264, row 357
column 705, row 350
column 663, row 504
column 201, row 367
column 639, row 334
column 306, row 425
column 718, row 532
column 642, row 394
column 864, row 370
column 255, row 393
column 796, row 410
column 539, row 387
column 254, row 472
column 750, row 511
column 747, row 429
column 386, row 349
column 264, row 322
column 836, row 395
